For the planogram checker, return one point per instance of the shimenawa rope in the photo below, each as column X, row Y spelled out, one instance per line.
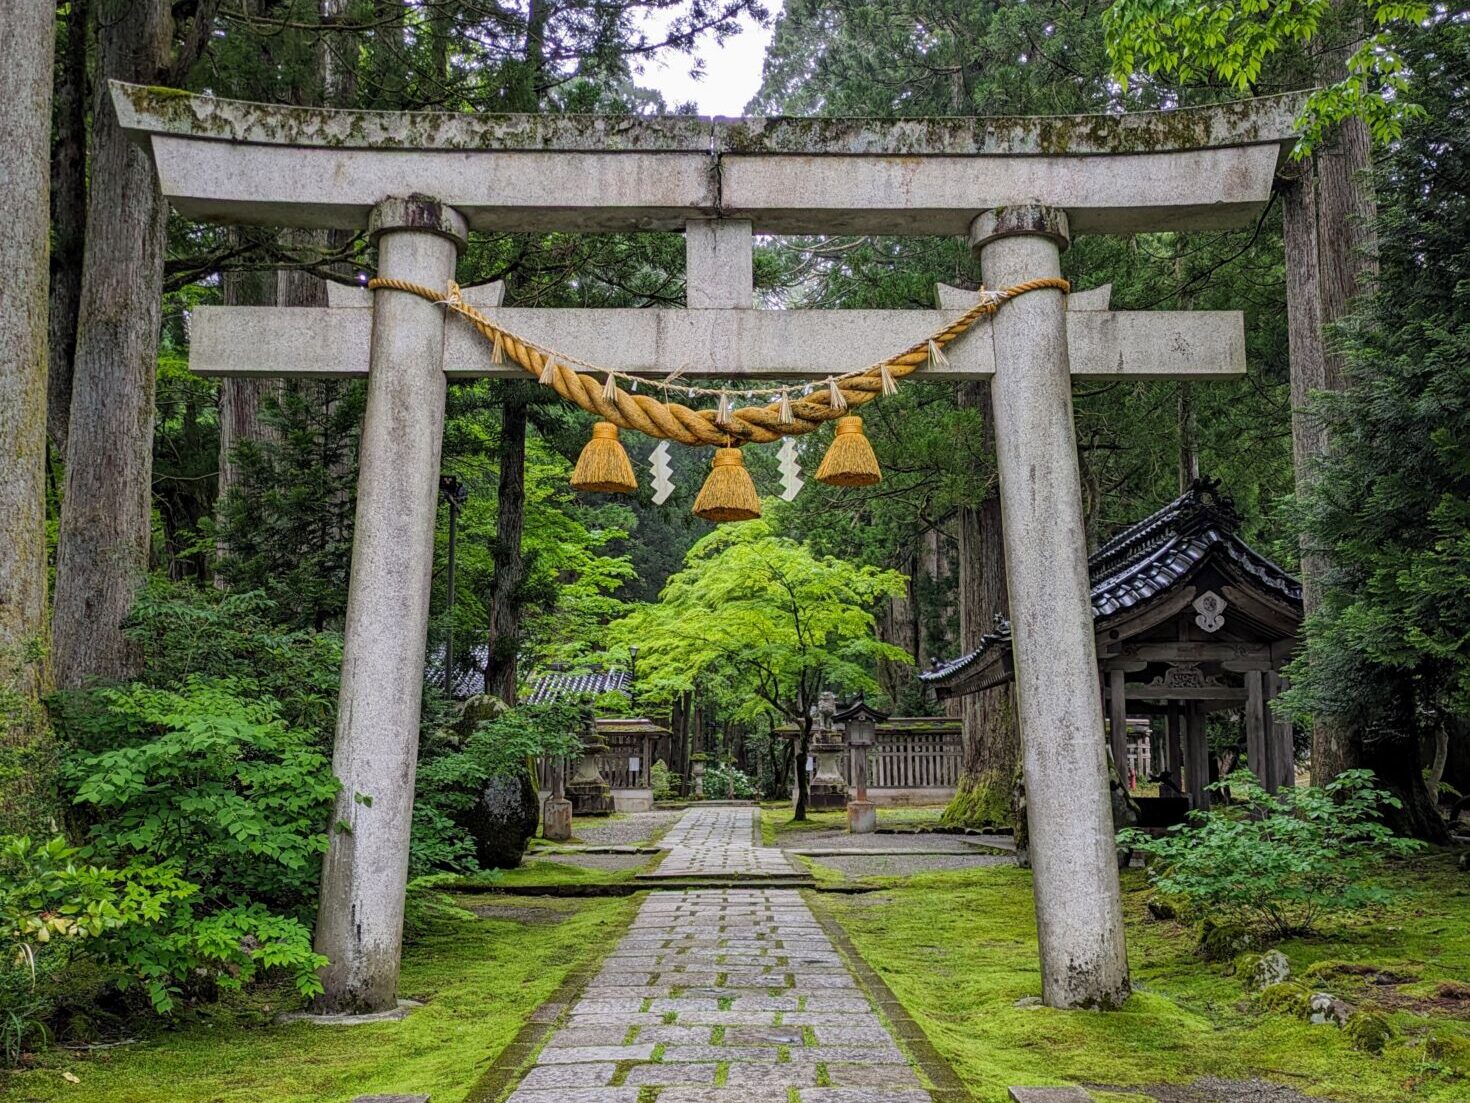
column 747, row 425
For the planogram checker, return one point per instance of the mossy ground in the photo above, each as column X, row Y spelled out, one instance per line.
column 958, row 949
column 481, row 979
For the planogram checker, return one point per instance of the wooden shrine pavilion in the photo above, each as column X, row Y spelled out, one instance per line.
column 1188, row 620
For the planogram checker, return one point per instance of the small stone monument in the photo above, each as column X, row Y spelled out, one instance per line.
column 588, row 791
column 860, row 723
column 828, row 790
column 556, row 811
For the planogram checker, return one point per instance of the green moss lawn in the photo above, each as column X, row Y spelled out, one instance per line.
column 958, row 949
column 481, row 978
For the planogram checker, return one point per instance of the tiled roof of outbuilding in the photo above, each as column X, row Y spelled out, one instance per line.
column 1148, row 558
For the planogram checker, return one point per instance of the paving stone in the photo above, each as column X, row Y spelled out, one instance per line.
column 671, row 1073
column 590, row 1034
column 877, row 1055
column 764, row 1036
column 740, row 1075
column 715, row 1095
column 865, row 1095
column 578, row 1054
column 1049, row 1095
column 851, row 1035
column 574, row 1095
column 846, row 1075
column 720, row 1053
column 569, row 1076
column 676, row 1035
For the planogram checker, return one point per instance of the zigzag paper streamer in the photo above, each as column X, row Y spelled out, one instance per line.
column 658, row 464
column 791, row 480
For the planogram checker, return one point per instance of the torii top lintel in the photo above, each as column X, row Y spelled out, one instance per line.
column 237, row 162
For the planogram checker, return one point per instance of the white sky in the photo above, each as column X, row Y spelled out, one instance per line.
column 732, row 72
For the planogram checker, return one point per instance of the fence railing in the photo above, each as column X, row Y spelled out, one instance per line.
column 914, row 758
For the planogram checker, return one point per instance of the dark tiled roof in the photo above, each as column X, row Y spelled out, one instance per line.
column 553, row 687
column 1147, row 559
column 544, row 688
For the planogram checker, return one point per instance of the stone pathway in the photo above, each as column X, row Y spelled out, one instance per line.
column 718, row 995
column 720, row 842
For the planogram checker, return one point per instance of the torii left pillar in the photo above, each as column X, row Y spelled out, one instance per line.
column 360, row 922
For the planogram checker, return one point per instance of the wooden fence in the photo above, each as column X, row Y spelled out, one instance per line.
column 920, row 756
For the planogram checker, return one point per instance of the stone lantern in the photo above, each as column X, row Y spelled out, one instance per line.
column 828, row 789
column 860, row 721
column 588, row 791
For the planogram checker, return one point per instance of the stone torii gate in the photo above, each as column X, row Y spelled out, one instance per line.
column 1019, row 189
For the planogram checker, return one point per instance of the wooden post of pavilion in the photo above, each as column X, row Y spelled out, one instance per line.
column 1118, row 722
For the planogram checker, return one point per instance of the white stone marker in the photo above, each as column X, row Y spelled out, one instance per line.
column 360, row 922
column 1079, row 915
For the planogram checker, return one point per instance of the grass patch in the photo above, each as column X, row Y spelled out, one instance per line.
column 481, row 979
column 959, row 948
column 778, row 827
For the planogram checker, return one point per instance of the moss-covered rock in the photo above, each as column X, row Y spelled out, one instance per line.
column 1222, row 941
column 1450, row 1050
column 1288, row 997
column 1368, row 1031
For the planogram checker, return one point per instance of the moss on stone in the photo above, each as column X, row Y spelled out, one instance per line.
column 1368, row 1031
column 1288, row 997
column 1222, row 941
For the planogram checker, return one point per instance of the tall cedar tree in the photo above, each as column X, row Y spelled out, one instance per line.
column 1388, row 655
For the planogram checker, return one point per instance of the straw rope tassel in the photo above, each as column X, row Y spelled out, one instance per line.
column 849, row 460
column 603, row 466
column 728, row 493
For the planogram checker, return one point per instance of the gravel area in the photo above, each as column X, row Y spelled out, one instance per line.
column 853, row 866
column 608, row 863
column 628, row 829
column 841, row 840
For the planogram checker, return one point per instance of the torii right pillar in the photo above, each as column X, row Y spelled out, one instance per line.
column 1079, row 913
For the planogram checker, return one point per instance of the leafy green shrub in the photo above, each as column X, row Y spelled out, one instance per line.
column 186, row 632
column 665, row 782
column 1277, row 863
column 213, row 783
column 723, row 781
column 51, row 902
column 214, row 791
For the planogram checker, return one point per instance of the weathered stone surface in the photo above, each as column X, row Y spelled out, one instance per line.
column 1273, row 968
column 1197, row 169
column 325, row 343
column 503, row 820
column 570, row 1076
column 1078, row 903
column 671, row 1073
column 1326, row 1009
column 391, row 1099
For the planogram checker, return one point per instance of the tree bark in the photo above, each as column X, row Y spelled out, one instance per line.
column 1327, row 219
column 991, row 737
column 1331, row 256
column 27, row 41
column 102, row 551
column 68, row 220
column 241, row 401
column 510, row 564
